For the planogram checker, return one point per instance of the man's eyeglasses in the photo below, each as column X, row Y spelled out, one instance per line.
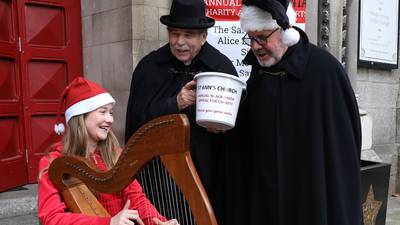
column 261, row 40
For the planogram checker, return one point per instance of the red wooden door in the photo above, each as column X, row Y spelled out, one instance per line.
column 50, row 55
column 12, row 146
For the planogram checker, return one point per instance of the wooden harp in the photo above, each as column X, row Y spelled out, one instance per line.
column 167, row 137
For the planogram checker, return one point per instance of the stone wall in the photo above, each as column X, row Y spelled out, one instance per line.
column 116, row 35
column 378, row 92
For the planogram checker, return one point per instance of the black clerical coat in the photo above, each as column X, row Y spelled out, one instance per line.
column 294, row 154
column 156, row 81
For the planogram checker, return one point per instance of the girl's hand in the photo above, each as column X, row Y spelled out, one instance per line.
column 169, row 222
column 126, row 216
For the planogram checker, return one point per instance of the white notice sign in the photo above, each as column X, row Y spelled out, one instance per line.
column 379, row 31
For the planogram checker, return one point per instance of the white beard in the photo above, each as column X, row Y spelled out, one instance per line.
column 270, row 62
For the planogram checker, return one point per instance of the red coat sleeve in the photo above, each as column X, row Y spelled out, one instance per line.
column 139, row 202
column 51, row 208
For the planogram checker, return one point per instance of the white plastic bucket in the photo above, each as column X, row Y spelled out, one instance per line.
column 217, row 99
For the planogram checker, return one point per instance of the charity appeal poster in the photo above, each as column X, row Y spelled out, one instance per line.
column 226, row 35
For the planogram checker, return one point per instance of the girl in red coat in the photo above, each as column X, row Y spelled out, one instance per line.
column 89, row 117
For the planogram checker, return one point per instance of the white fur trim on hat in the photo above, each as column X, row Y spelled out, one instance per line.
column 290, row 37
column 88, row 105
column 253, row 18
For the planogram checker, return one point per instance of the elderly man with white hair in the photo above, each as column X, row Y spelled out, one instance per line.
column 294, row 155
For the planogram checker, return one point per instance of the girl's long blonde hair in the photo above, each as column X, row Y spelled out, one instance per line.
column 75, row 142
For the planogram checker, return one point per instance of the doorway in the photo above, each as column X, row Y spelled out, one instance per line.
column 40, row 52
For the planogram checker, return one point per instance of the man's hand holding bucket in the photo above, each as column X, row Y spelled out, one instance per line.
column 187, row 95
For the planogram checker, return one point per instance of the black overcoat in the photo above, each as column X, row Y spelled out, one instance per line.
column 295, row 151
column 156, row 81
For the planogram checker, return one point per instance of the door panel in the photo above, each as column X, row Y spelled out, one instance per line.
column 9, row 141
column 8, row 83
column 6, row 21
column 51, row 57
column 45, row 25
column 13, row 164
column 47, row 80
column 12, row 148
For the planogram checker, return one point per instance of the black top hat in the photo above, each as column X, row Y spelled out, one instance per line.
column 187, row 14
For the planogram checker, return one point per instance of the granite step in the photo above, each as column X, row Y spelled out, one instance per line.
column 19, row 206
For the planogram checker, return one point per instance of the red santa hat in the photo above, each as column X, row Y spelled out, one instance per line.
column 258, row 15
column 79, row 97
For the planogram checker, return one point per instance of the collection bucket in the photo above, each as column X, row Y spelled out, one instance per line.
column 217, row 99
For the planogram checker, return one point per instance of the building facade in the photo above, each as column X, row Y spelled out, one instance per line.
column 117, row 34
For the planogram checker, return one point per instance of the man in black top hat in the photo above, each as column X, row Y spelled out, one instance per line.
column 162, row 84
column 296, row 145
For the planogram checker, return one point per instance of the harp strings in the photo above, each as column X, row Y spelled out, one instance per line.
column 163, row 192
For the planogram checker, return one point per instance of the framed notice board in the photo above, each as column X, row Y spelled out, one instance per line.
column 378, row 37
